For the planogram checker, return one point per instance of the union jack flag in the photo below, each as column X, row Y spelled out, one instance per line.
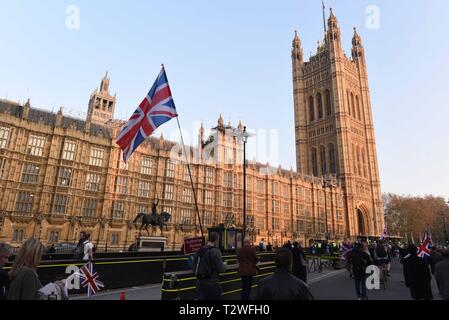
column 89, row 279
column 156, row 109
column 424, row 248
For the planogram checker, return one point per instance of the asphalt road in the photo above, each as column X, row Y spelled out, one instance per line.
column 329, row 285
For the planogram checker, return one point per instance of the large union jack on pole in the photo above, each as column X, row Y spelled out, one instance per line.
column 156, row 109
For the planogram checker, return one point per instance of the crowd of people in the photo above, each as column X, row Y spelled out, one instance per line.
column 288, row 282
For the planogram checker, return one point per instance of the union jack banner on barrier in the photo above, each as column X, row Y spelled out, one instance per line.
column 89, row 279
column 156, row 109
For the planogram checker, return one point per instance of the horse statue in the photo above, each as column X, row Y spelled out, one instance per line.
column 154, row 220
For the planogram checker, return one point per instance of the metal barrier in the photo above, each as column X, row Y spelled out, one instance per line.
column 182, row 285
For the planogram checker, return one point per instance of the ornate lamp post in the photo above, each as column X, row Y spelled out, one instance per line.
column 244, row 136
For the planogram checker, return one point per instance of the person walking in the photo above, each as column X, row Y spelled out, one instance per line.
column 283, row 285
column 359, row 261
column 299, row 262
column 442, row 275
column 88, row 249
column 5, row 254
column 207, row 265
column 79, row 250
column 247, row 259
column 25, row 282
column 417, row 275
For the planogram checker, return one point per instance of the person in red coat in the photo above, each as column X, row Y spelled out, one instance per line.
column 247, row 259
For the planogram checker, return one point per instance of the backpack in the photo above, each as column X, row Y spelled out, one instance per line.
column 381, row 253
column 202, row 267
column 79, row 251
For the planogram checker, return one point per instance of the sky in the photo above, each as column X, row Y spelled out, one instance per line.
column 233, row 58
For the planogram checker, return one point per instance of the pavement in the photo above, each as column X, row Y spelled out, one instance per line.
column 328, row 285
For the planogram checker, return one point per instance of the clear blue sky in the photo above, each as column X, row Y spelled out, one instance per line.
column 233, row 57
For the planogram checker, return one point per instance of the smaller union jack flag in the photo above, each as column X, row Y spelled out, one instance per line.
column 156, row 109
column 424, row 248
column 89, row 279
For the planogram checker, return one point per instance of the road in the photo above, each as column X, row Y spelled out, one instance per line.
column 329, row 285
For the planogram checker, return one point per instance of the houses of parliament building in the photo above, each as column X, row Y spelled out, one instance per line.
column 60, row 175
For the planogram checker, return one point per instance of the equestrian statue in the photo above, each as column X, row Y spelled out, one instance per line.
column 153, row 219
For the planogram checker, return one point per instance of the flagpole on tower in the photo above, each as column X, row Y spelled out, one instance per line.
column 190, row 172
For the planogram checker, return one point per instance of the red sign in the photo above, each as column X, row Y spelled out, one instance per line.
column 193, row 245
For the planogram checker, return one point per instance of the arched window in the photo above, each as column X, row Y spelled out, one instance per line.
column 320, row 106
column 314, row 162
column 353, row 105
column 354, row 159
column 349, row 103
column 359, row 113
column 323, row 160
column 328, row 103
column 365, row 167
column 311, row 109
column 332, row 160
column 359, row 165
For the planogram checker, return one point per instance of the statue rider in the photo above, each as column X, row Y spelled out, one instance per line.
column 154, row 208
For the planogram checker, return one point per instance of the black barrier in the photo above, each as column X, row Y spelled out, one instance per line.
column 182, row 285
column 129, row 271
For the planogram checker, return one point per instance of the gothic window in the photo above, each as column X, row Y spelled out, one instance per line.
column 68, row 152
column 359, row 167
column 118, row 209
column 4, row 137
column 332, row 160
column 365, row 169
column 90, row 208
column 60, row 204
column 320, row 106
column 93, row 182
column 96, row 156
column 311, row 109
column 30, row 173
column 36, row 145
column 354, row 159
column 353, row 105
column 147, row 166
column 24, row 202
column 328, row 103
column 349, row 103
column 65, row 177
column 323, row 160
column 359, row 111
column 144, row 189
column 314, row 162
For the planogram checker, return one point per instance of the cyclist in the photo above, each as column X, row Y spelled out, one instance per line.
column 383, row 261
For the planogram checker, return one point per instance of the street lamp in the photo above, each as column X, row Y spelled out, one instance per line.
column 244, row 136
column 325, row 208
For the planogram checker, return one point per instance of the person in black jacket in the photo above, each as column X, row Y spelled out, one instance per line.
column 417, row 275
column 5, row 254
column 359, row 260
column 299, row 262
column 282, row 285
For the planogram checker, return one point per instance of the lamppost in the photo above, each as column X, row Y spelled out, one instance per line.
column 244, row 136
column 325, row 208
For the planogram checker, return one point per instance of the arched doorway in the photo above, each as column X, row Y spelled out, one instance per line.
column 360, row 223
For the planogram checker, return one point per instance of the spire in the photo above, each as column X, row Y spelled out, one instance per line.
column 297, row 52
column 356, row 39
column 332, row 22
column 220, row 121
column 324, row 18
column 104, row 87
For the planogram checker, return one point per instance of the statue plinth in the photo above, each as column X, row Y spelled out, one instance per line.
column 151, row 244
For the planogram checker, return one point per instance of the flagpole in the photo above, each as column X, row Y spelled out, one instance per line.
column 190, row 172
column 191, row 179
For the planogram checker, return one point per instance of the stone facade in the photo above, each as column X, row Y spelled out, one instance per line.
column 60, row 175
column 334, row 126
